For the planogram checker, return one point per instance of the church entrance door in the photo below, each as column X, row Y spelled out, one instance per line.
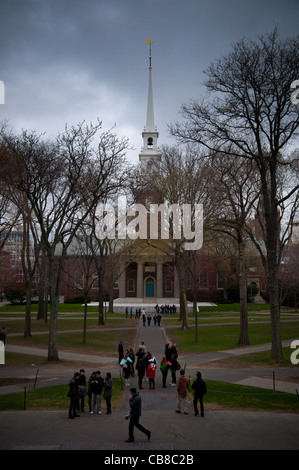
column 150, row 287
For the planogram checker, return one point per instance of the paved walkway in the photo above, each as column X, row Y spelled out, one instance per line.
column 219, row 429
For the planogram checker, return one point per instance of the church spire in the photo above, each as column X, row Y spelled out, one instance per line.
column 150, row 121
column 150, row 152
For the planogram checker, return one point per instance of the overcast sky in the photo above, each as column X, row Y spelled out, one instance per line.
column 65, row 61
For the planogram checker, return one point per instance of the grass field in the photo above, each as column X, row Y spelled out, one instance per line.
column 218, row 329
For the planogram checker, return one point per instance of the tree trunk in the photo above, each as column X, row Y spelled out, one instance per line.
column 54, row 293
column 183, row 295
column 276, row 351
column 27, row 327
column 244, row 335
column 101, row 298
column 111, row 288
column 85, row 317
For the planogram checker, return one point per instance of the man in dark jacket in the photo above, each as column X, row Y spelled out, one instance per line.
column 199, row 387
column 73, row 396
column 135, row 413
column 97, row 385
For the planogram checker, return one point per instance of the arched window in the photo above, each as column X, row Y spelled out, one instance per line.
column 131, row 285
column 168, row 285
column 150, row 142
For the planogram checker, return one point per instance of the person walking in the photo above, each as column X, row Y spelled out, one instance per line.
column 200, row 388
column 97, row 385
column 182, row 388
column 108, row 385
column 134, row 415
column 73, row 396
column 164, row 366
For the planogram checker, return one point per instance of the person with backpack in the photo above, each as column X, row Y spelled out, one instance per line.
column 200, row 388
column 164, row 366
column 73, row 396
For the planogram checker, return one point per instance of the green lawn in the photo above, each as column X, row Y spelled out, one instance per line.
column 51, row 398
column 241, row 396
column 221, row 337
column 220, row 393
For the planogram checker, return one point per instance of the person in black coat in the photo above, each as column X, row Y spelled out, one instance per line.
column 140, row 367
column 134, row 415
column 73, row 396
column 97, row 385
column 120, row 351
column 200, row 388
column 81, row 390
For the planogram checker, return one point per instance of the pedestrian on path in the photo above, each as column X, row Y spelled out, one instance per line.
column 134, row 415
column 151, row 374
column 81, row 390
column 174, row 367
column 140, row 367
column 97, row 385
column 89, row 391
column 200, row 388
column 108, row 385
column 164, row 366
column 120, row 351
column 182, row 388
column 73, row 396
column 126, row 364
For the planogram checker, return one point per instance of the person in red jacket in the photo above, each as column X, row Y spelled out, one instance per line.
column 151, row 374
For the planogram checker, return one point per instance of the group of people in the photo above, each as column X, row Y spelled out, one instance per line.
column 96, row 386
column 146, row 366
column 156, row 318
column 145, row 363
column 146, row 319
column 165, row 308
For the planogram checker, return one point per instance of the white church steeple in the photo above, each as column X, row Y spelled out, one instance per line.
column 150, row 153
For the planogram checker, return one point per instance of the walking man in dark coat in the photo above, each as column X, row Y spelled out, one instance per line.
column 135, row 413
column 199, row 387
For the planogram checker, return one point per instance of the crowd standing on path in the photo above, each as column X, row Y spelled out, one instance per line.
column 146, row 365
column 96, row 385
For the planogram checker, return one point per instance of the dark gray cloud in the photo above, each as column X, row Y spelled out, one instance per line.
column 66, row 61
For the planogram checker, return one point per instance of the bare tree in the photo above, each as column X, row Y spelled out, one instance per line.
column 236, row 186
column 63, row 182
column 249, row 115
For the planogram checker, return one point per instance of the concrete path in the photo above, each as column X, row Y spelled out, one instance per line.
column 219, row 429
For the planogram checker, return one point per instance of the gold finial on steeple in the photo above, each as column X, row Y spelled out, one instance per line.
column 149, row 41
